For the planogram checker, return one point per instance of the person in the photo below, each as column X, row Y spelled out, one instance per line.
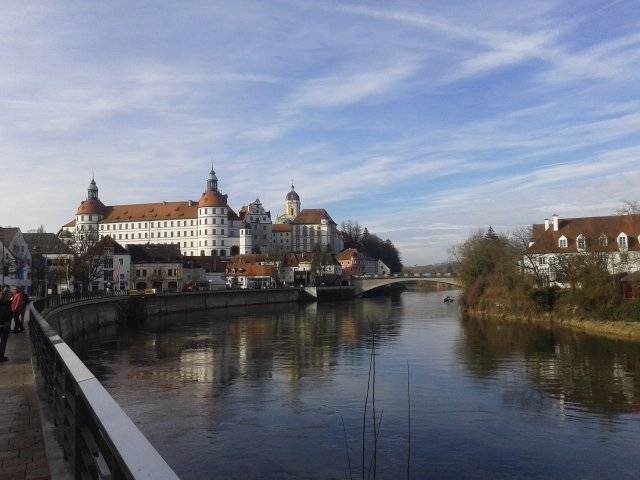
column 18, row 302
column 5, row 320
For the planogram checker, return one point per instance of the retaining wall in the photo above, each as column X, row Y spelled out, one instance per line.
column 77, row 319
column 173, row 303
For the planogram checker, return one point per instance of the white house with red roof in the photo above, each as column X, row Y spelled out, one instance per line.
column 616, row 235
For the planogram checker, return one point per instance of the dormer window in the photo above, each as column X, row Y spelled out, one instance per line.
column 603, row 240
column 562, row 242
column 581, row 243
column 623, row 243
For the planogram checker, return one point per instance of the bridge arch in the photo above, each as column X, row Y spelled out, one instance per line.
column 366, row 284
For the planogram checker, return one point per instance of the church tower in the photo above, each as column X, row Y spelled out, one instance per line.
column 292, row 203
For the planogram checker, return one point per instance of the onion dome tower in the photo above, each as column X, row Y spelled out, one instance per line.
column 292, row 203
column 89, row 214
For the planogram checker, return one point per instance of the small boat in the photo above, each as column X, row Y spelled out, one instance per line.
column 448, row 299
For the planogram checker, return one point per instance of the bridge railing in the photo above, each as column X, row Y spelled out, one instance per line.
column 97, row 437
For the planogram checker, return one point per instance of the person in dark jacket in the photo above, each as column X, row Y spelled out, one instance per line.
column 5, row 320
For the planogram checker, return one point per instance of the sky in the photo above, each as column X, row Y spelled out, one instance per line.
column 425, row 121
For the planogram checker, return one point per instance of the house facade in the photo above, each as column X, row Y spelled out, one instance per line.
column 51, row 264
column 15, row 259
column 617, row 236
column 355, row 263
column 158, row 266
column 109, row 265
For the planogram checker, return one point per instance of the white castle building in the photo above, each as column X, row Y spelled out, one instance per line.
column 206, row 227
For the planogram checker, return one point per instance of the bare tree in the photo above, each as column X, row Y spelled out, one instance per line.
column 522, row 239
column 352, row 231
column 629, row 207
column 88, row 262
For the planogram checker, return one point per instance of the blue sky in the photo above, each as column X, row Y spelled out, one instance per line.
column 424, row 120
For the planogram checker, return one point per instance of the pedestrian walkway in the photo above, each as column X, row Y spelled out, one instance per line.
column 22, row 449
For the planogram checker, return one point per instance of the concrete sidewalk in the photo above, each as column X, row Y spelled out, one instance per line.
column 22, row 448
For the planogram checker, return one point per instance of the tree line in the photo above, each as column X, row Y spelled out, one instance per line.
column 356, row 236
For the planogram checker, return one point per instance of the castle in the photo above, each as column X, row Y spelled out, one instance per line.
column 205, row 227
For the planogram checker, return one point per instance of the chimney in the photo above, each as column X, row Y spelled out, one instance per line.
column 546, row 224
column 555, row 222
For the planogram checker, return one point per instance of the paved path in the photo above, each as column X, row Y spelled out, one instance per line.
column 22, row 450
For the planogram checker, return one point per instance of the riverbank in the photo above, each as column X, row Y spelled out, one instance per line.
column 616, row 330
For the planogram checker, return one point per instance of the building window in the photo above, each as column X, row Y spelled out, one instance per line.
column 603, row 241
column 582, row 243
column 542, row 260
column 562, row 242
column 622, row 241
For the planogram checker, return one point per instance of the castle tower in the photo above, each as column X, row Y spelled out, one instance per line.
column 213, row 228
column 88, row 215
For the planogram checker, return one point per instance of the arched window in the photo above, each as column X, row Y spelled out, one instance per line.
column 623, row 243
column 562, row 242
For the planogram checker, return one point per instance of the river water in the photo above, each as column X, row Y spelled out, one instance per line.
column 277, row 392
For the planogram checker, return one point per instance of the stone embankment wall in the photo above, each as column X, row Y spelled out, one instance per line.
column 78, row 319
column 173, row 303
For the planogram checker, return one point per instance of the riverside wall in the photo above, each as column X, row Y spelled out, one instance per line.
column 80, row 318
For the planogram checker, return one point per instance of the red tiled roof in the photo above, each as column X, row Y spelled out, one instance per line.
column 348, row 254
column 592, row 228
column 212, row 199
column 250, row 270
column 72, row 223
column 281, row 227
column 91, row 206
column 312, row 216
column 150, row 211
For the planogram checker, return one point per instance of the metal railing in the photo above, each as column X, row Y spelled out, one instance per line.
column 52, row 301
column 97, row 437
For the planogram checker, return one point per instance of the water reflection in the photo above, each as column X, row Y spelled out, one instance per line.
column 298, row 340
column 574, row 369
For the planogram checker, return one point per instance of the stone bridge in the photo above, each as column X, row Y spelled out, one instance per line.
column 364, row 284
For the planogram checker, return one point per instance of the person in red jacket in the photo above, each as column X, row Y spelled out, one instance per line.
column 18, row 303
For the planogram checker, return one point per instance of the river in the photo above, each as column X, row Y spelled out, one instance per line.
column 277, row 392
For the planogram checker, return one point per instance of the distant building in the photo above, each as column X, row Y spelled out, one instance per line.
column 314, row 230
column 109, row 264
column 616, row 235
column 51, row 263
column 156, row 266
column 204, row 270
column 259, row 220
column 15, row 259
column 207, row 227
column 250, row 275
column 355, row 263
column 281, row 237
